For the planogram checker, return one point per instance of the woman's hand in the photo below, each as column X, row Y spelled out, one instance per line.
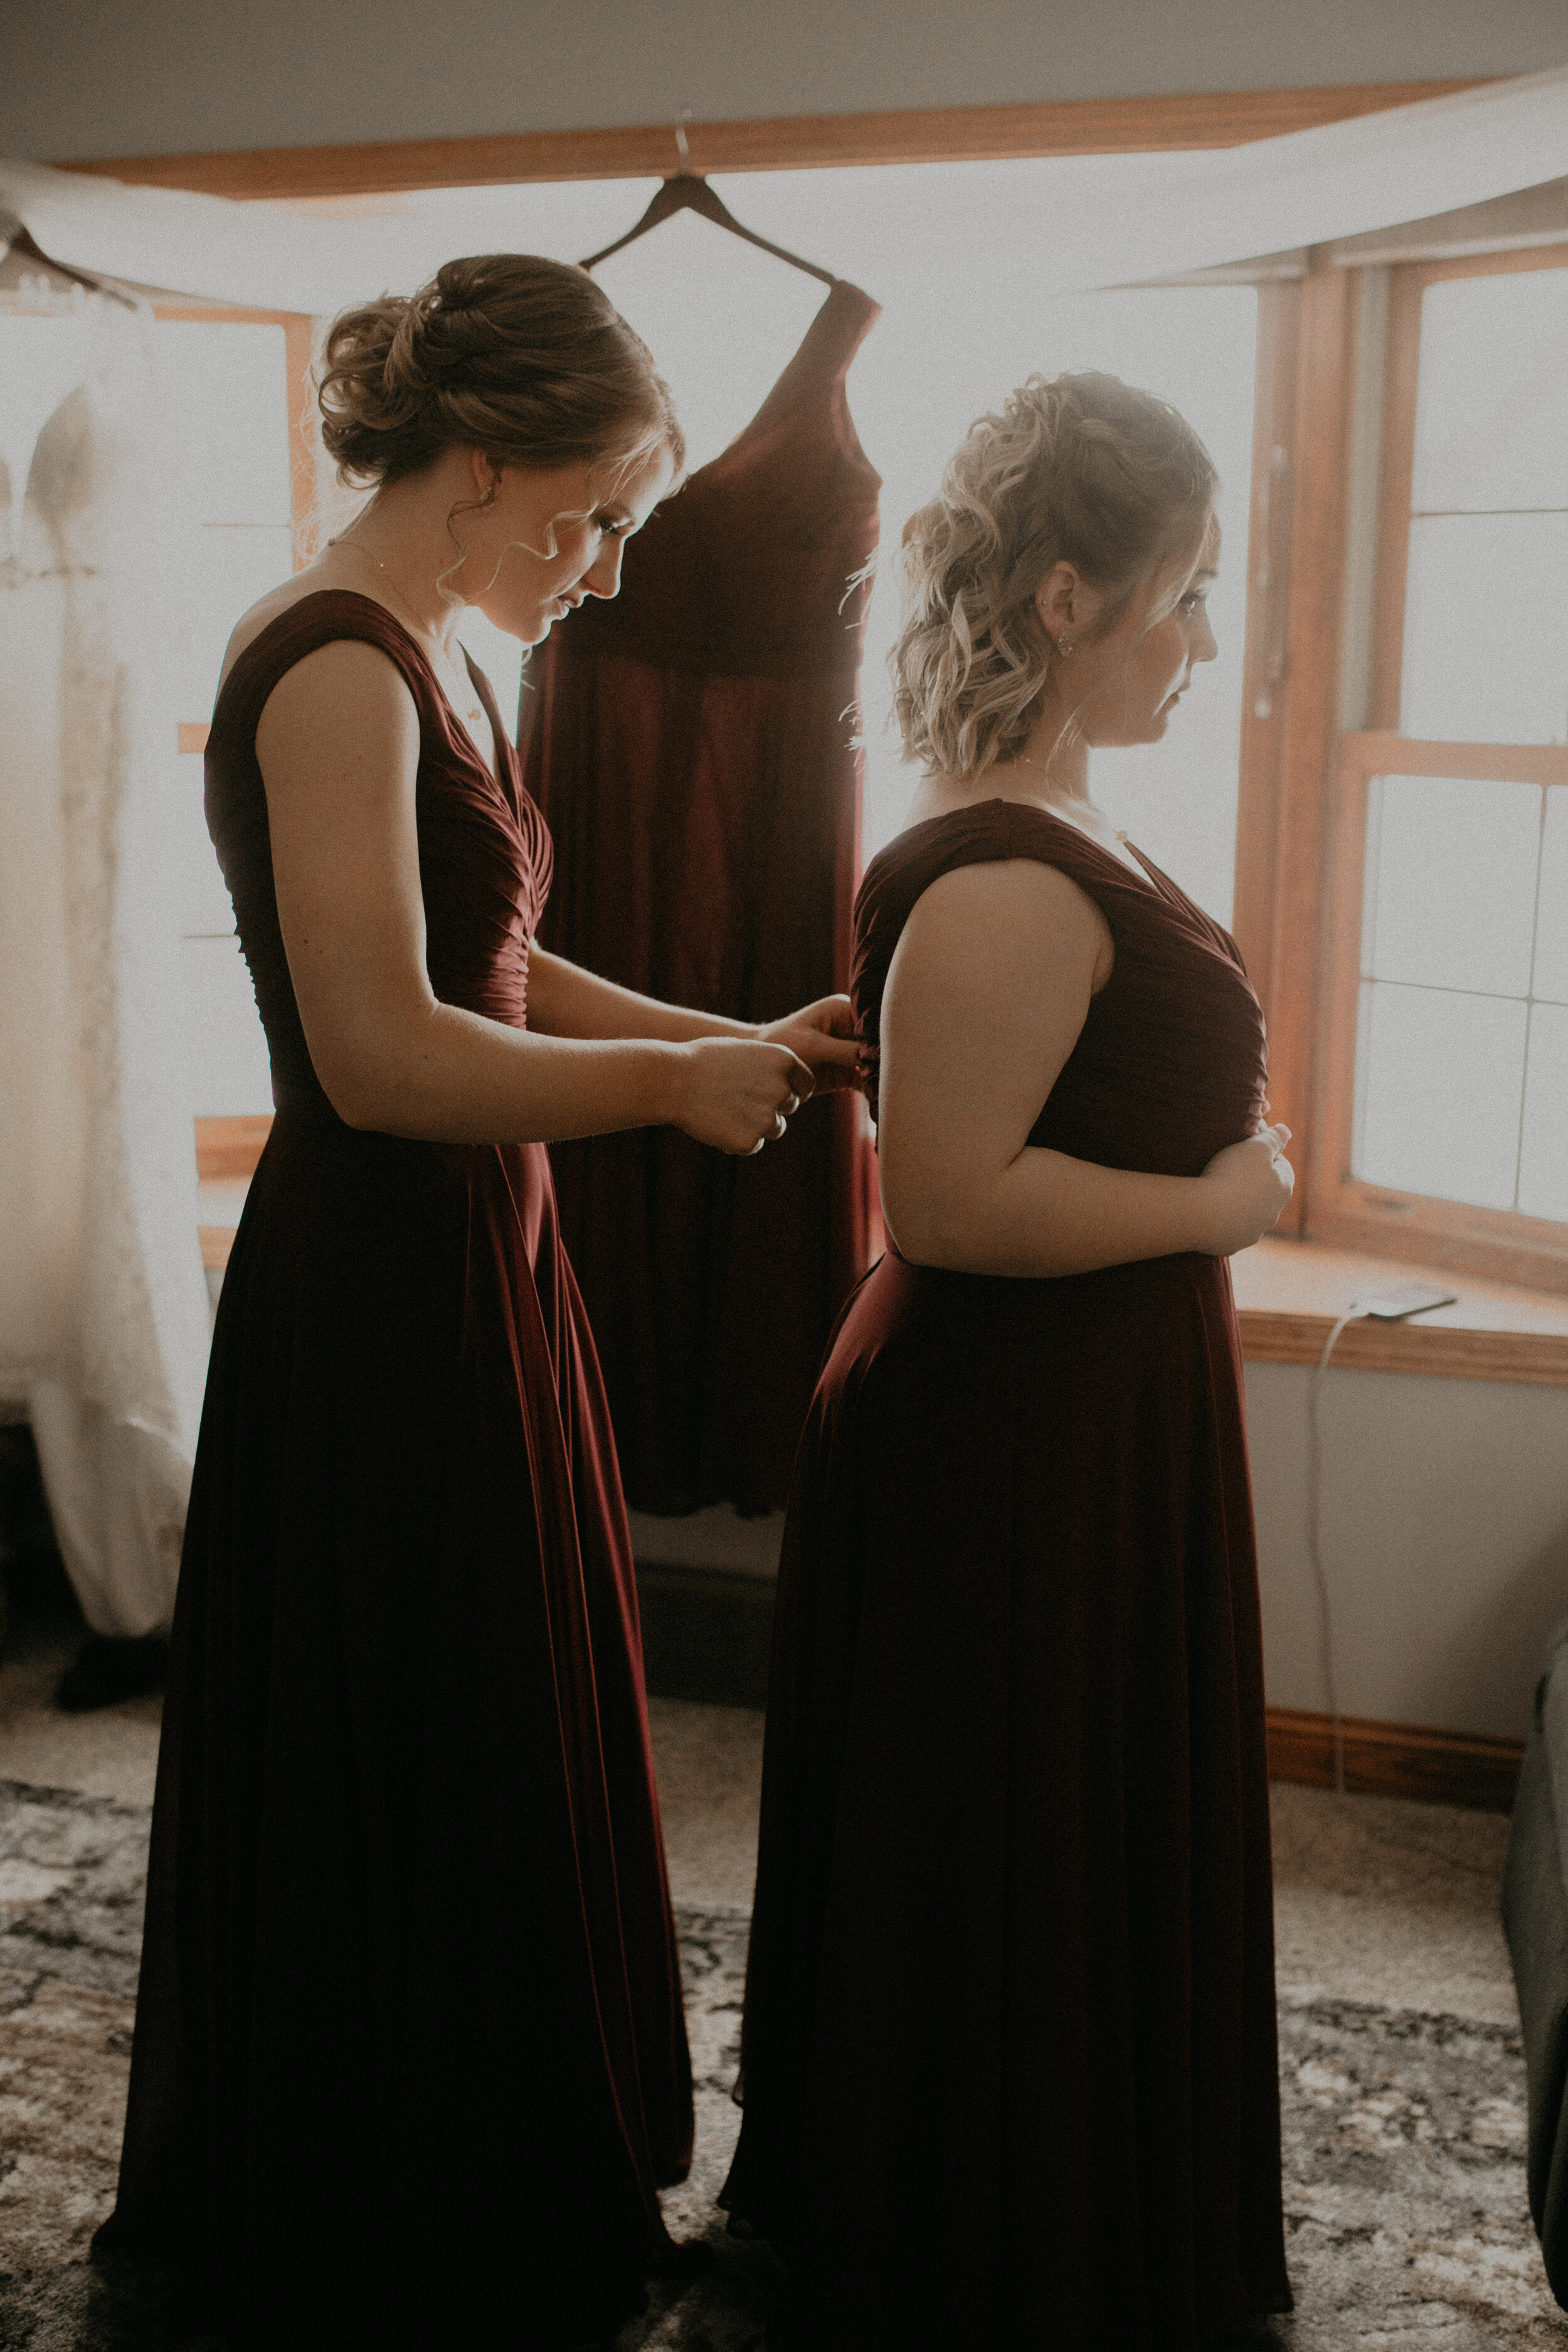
column 1248, row 1186
column 736, row 1093
column 823, row 1036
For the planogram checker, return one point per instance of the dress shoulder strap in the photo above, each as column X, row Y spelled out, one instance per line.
column 985, row 835
column 324, row 617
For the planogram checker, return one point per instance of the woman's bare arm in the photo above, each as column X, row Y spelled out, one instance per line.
column 565, row 1001
column 988, row 990
column 338, row 745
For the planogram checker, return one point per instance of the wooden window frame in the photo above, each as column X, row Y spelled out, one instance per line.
column 1302, row 827
column 298, row 348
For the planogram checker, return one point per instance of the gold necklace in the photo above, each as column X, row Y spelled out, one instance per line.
column 471, row 709
column 1021, row 760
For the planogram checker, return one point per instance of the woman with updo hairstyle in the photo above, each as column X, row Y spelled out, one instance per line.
column 1008, row 2057
column 410, row 2060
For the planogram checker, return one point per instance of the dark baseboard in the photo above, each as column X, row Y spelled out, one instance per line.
column 1395, row 1760
column 705, row 1636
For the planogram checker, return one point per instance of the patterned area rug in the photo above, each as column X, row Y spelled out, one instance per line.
column 1404, row 2135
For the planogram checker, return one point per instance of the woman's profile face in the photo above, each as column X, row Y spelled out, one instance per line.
column 1136, row 676
column 549, row 541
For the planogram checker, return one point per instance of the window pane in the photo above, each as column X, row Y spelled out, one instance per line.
column 1544, row 1158
column 1454, row 893
column 1485, row 629
column 218, row 572
column 227, row 1073
column 197, row 890
column 227, row 392
column 1439, row 1081
column 1551, row 919
column 1491, row 413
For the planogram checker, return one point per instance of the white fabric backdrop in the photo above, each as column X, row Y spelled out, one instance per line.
column 103, row 1304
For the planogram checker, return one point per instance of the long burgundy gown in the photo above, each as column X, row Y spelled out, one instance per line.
column 410, row 2056
column 691, row 743
column 1009, row 2047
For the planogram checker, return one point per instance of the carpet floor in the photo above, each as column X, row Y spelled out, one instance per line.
column 1404, row 2131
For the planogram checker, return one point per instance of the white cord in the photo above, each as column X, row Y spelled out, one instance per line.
column 1314, row 1544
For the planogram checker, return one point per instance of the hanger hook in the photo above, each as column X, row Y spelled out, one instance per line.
column 681, row 148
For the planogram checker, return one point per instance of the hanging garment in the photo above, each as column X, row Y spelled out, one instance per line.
column 1009, row 2043
column 691, row 744
column 104, row 1322
column 410, row 2055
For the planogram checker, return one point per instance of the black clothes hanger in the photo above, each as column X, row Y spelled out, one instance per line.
column 688, row 191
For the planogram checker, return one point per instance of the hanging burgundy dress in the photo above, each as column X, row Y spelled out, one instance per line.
column 410, row 2055
column 1009, row 2047
column 691, row 745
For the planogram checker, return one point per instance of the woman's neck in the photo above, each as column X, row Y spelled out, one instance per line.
column 400, row 543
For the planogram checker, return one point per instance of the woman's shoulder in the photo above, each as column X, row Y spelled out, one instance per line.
column 299, row 618
column 989, row 832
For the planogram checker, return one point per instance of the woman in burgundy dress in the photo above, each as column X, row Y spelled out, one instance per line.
column 410, row 2060
column 1009, row 2047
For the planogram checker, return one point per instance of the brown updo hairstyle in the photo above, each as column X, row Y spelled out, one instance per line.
column 1080, row 469
column 524, row 358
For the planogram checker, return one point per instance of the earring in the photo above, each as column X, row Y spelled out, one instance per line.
column 1064, row 645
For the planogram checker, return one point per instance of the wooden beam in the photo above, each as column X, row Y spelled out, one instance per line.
column 1395, row 1760
column 954, row 134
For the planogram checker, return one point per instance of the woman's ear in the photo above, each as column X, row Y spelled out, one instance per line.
column 486, row 481
column 1065, row 602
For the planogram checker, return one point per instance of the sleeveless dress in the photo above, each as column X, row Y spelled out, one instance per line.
column 692, row 744
column 1009, row 2047
column 410, row 2056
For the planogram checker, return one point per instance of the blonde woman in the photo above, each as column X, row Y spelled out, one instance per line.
column 410, row 2063
column 1009, row 2047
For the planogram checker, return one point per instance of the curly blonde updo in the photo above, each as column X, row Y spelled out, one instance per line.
column 525, row 359
column 1081, row 469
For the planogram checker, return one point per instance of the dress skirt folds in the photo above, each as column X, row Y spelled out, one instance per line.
column 1009, row 2049
column 410, row 2059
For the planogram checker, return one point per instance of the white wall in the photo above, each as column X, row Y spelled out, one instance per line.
column 82, row 79
column 1445, row 1539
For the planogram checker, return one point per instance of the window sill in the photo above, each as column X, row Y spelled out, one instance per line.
column 1289, row 1294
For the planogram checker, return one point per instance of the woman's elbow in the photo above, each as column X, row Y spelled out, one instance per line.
column 924, row 1227
column 362, row 1090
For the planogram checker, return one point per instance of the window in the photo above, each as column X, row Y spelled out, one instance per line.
column 1442, row 1125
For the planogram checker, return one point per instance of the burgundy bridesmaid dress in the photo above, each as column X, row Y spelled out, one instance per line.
column 691, row 743
column 410, row 2057
column 1009, row 2049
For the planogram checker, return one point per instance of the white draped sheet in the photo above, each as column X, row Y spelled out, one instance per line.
column 103, row 1306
